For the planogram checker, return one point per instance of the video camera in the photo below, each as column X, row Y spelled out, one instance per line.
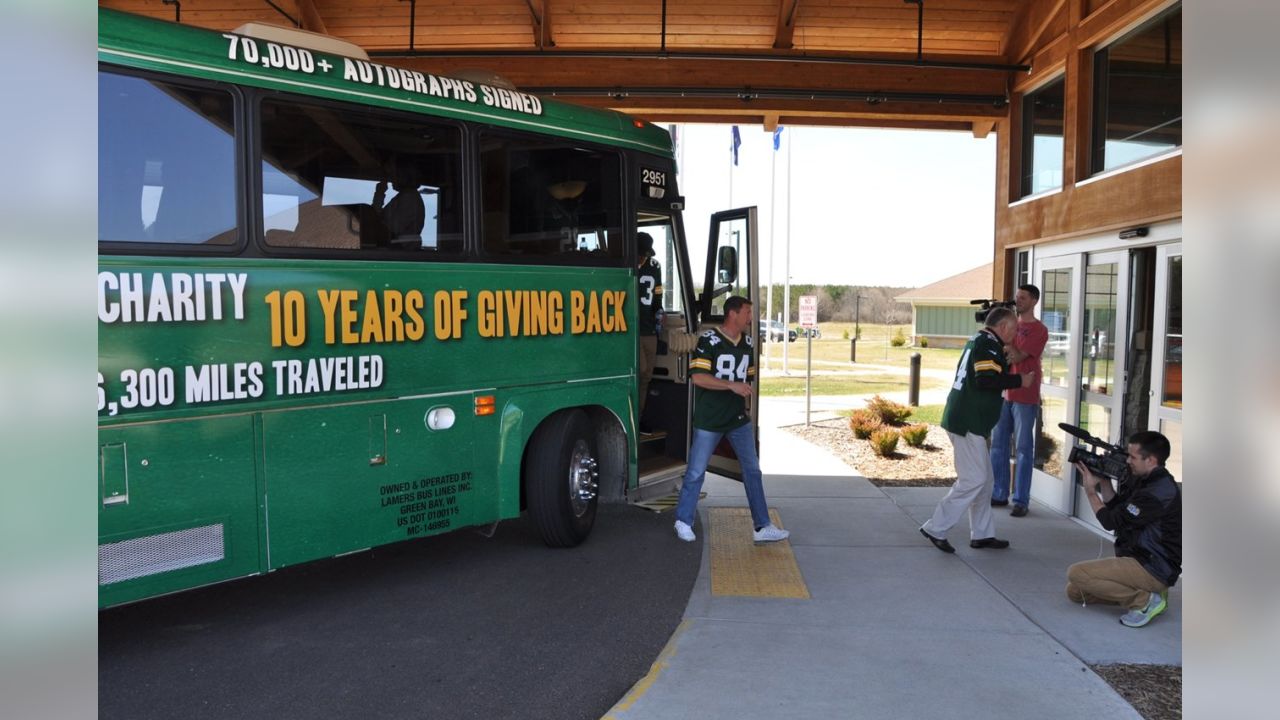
column 1102, row 458
column 987, row 306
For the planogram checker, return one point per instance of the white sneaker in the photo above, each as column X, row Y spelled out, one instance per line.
column 770, row 533
column 684, row 532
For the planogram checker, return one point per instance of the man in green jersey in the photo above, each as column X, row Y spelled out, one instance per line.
column 973, row 408
column 720, row 371
column 649, row 294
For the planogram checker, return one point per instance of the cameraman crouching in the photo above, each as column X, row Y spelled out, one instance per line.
column 1146, row 515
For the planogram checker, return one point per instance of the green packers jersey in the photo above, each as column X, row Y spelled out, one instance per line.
column 649, row 279
column 973, row 409
column 721, row 410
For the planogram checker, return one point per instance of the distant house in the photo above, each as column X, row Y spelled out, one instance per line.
column 941, row 313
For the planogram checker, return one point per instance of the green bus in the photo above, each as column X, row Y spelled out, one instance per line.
column 343, row 304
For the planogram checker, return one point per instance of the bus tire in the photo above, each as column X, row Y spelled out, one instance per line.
column 561, row 479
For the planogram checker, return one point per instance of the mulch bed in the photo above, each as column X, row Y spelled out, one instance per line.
column 927, row 466
column 1155, row 691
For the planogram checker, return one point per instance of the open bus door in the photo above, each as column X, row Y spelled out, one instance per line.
column 732, row 269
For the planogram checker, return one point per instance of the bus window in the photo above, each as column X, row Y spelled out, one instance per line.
column 356, row 180
column 166, row 163
column 544, row 198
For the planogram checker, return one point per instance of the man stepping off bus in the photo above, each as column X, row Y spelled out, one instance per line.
column 720, row 372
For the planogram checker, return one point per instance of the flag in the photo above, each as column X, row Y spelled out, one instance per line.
column 737, row 140
column 777, row 138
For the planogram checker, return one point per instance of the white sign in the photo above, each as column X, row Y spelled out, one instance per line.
column 808, row 311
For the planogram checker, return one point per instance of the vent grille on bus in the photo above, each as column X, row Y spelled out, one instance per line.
column 139, row 557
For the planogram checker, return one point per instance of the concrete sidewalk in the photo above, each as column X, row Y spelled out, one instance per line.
column 894, row 628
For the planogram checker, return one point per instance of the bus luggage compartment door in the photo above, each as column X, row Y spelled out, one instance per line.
column 345, row 478
column 177, row 506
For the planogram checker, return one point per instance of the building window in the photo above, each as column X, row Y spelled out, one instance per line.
column 1021, row 270
column 1137, row 85
column 1042, row 151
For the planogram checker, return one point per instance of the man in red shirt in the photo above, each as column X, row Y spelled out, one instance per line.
column 1021, row 405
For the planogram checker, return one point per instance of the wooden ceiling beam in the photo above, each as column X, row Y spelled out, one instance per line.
column 608, row 73
column 540, row 12
column 983, row 128
column 785, row 32
column 1027, row 31
column 908, row 121
column 305, row 12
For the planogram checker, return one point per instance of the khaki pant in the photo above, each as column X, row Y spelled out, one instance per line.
column 648, row 358
column 971, row 492
column 1117, row 581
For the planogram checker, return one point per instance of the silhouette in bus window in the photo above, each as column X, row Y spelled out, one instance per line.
column 405, row 214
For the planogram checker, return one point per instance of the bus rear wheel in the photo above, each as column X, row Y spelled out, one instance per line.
column 561, row 479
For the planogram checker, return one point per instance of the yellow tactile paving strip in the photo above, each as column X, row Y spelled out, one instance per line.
column 741, row 568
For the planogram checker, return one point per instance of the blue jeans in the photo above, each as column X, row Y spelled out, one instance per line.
column 704, row 442
column 1018, row 419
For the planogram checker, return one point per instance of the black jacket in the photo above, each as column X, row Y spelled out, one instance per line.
column 1146, row 516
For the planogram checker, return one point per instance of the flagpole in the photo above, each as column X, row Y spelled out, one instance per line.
column 732, row 158
column 786, row 269
column 773, row 227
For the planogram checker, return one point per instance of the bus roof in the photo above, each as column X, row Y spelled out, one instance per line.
column 146, row 43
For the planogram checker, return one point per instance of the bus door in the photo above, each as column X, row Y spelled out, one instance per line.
column 664, row 280
column 732, row 269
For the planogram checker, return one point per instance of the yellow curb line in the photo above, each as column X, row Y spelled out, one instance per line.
column 642, row 685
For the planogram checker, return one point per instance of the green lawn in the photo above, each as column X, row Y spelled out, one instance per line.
column 931, row 414
column 873, row 349
column 841, row 384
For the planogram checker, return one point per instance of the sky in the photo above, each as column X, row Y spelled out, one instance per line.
column 902, row 208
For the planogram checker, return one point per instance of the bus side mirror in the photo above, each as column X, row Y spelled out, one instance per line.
column 727, row 265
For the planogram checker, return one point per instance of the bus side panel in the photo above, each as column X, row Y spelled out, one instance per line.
column 177, row 506
column 345, row 478
column 523, row 412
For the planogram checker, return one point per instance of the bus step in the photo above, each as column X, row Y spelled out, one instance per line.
column 663, row 503
column 646, row 437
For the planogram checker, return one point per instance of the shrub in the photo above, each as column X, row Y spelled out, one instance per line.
column 915, row 434
column 845, row 335
column 863, row 423
column 898, row 339
column 924, row 342
column 884, row 441
column 889, row 412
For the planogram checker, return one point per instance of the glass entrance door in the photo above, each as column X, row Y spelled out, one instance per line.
column 1102, row 356
column 1060, row 370
column 1166, row 356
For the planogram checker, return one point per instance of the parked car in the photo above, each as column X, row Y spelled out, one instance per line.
column 771, row 330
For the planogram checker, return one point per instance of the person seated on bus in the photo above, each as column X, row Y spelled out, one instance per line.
column 405, row 214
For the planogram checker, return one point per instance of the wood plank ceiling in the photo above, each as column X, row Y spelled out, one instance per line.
column 828, row 62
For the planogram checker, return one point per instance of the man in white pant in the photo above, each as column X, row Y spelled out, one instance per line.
column 972, row 410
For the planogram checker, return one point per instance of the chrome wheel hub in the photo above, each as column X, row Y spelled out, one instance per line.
column 583, row 478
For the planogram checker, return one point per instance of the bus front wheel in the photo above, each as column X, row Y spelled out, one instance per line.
column 561, row 479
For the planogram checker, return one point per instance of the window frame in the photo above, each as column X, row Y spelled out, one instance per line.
column 1027, row 150
column 626, row 221
column 1101, row 92
column 239, row 143
column 254, row 182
